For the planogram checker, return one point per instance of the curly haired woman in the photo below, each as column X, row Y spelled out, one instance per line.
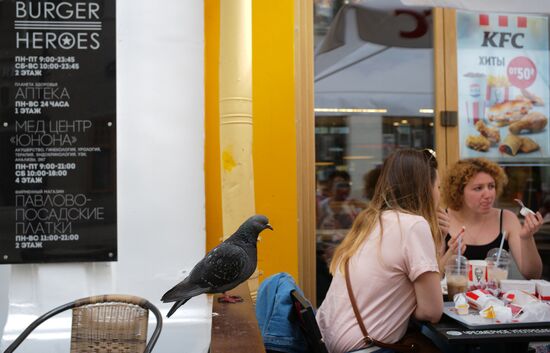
column 470, row 190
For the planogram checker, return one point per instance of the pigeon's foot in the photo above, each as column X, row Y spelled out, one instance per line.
column 230, row 299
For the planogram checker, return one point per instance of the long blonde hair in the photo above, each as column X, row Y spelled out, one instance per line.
column 406, row 185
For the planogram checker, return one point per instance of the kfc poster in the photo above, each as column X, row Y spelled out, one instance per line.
column 503, row 92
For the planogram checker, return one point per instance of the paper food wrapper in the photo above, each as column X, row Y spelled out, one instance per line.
column 522, row 285
column 535, row 312
column 500, row 314
column 481, row 299
column 461, row 304
column 519, row 297
column 543, row 289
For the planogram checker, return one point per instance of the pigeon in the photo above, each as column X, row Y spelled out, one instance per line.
column 223, row 268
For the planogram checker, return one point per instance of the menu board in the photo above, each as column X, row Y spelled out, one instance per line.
column 57, row 131
column 503, row 93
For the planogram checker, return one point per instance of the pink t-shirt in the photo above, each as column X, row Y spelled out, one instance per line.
column 382, row 276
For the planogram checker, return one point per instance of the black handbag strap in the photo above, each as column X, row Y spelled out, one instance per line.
column 405, row 348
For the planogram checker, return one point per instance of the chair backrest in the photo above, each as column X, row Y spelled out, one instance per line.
column 105, row 323
column 308, row 324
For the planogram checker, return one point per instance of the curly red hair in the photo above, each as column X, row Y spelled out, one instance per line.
column 462, row 172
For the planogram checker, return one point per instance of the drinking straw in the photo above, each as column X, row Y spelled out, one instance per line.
column 500, row 247
column 459, row 247
column 458, row 257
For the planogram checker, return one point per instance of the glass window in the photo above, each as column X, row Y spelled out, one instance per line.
column 493, row 78
column 373, row 94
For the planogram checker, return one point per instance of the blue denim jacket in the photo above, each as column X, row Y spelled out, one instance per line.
column 273, row 307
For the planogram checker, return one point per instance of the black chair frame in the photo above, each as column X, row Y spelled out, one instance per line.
column 94, row 300
column 306, row 320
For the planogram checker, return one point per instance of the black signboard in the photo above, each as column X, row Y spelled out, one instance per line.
column 57, row 131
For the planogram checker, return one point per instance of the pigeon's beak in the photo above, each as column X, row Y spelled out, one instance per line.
column 269, row 226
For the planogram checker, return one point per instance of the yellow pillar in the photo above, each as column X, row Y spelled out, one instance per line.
column 274, row 145
column 236, row 113
column 237, row 173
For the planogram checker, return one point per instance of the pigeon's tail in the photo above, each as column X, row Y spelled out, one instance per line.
column 181, row 291
column 176, row 306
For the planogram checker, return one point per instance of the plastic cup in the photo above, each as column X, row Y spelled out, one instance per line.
column 456, row 273
column 477, row 273
column 475, row 87
column 496, row 272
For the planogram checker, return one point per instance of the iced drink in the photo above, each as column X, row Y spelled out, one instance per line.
column 497, row 273
column 456, row 273
column 456, row 284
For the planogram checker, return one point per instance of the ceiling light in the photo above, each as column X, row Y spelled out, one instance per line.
column 426, row 110
column 349, row 110
column 357, row 157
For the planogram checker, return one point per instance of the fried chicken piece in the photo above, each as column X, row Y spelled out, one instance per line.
column 533, row 122
column 478, row 143
column 493, row 135
column 528, row 145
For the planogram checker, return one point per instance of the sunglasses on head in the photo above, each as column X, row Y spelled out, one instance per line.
column 428, row 152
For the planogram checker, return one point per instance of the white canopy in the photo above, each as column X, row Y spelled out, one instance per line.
column 367, row 61
column 378, row 53
column 515, row 6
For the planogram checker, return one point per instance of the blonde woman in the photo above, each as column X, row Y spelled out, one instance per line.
column 393, row 264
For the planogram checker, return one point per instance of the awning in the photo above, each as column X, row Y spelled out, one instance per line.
column 515, row 6
column 377, row 58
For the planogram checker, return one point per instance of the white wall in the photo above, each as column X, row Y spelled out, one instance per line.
column 161, row 212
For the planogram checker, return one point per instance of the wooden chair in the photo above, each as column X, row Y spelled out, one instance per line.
column 105, row 323
column 308, row 324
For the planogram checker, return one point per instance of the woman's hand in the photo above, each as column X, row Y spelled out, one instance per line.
column 443, row 221
column 452, row 249
column 531, row 224
column 452, row 244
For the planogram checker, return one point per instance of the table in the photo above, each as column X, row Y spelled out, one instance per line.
column 459, row 338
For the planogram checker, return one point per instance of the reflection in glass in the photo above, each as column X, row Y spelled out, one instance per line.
column 373, row 94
